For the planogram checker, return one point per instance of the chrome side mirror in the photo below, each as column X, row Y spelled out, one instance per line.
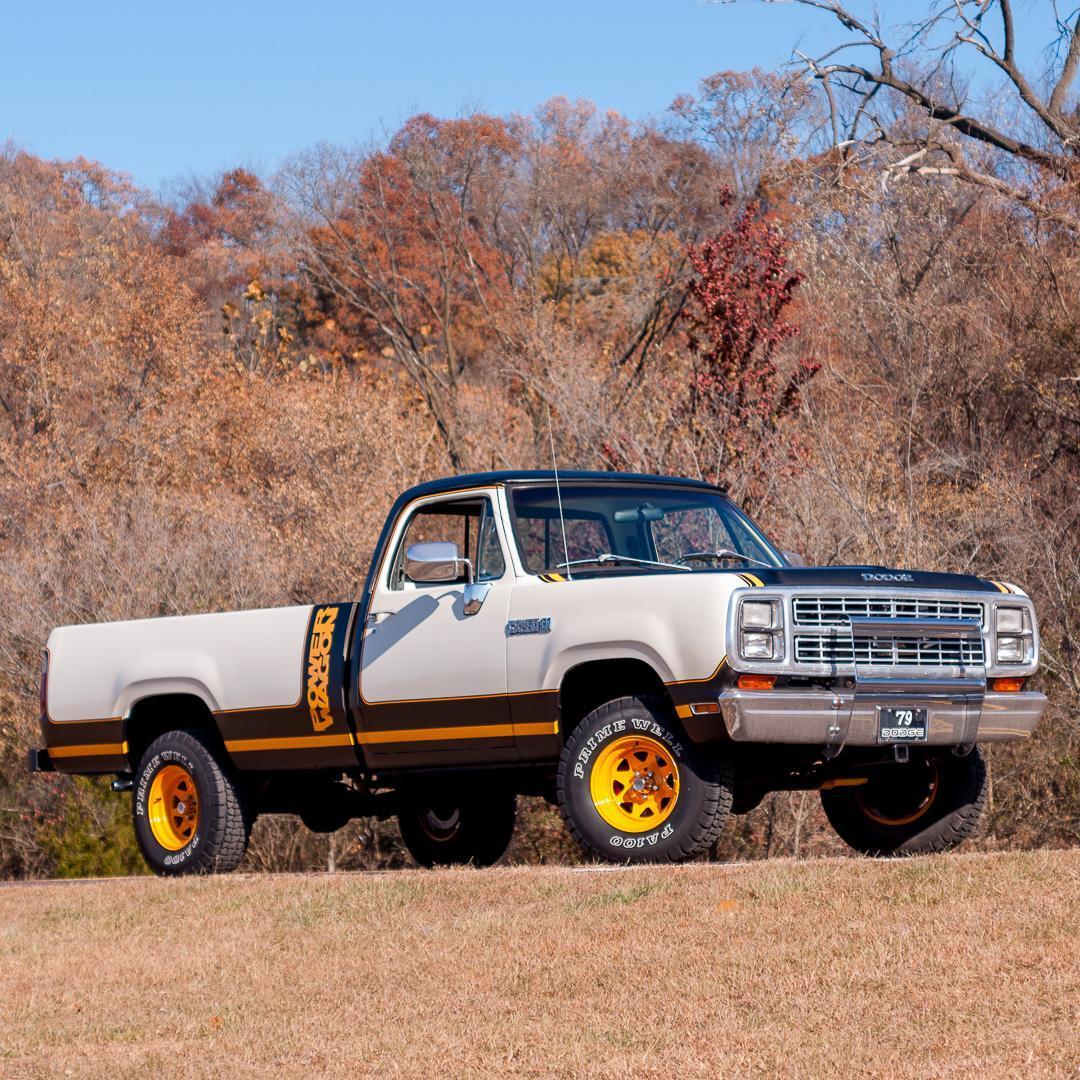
column 793, row 558
column 434, row 563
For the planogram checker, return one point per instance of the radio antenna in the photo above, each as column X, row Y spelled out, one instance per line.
column 558, row 495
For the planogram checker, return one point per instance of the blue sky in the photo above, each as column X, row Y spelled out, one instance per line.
column 167, row 91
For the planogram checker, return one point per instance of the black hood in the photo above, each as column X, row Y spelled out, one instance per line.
column 873, row 577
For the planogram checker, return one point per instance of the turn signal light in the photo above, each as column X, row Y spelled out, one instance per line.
column 1010, row 685
column 704, row 708
column 757, row 682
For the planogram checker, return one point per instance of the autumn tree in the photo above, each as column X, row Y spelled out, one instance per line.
column 754, row 122
column 396, row 241
column 737, row 319
column 1022, row 143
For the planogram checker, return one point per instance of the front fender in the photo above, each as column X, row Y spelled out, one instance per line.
column 617, row 649
column 674, row 623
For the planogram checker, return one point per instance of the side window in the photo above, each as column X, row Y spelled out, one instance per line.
column 490, row 565
column 469, row 525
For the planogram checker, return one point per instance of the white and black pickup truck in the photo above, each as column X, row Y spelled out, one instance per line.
column 631, row 647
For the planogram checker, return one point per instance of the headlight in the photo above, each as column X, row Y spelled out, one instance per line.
column 759, row 614
column 761, row 629
column 1012, row 632
column 757, row 646
column 1010, row 650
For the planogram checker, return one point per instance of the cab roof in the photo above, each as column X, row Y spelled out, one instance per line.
column 546, row 476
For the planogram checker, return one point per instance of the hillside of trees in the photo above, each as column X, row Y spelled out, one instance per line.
column 835, row 291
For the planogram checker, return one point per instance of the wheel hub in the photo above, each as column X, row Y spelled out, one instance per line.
column 900, row 799
column 634, row 783
column 173, row 807
column 441, row 823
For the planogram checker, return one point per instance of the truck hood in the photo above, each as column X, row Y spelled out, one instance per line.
column 872, row 577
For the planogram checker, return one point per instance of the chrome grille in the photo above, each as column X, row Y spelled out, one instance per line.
column 888, row 651
column 835, row 610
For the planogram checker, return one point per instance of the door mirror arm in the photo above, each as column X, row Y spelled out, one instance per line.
column 440, row 562
column 475, row 594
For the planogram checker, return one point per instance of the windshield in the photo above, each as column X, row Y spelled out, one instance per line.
column 621, row 528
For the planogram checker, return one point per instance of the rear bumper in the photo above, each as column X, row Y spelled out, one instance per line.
column 806, row 716
column 38, row 760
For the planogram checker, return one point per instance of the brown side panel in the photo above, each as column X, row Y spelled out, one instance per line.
column 446, row 731
column 87, row 746
column 707, row 727
column 314, row 732
column 536, row 725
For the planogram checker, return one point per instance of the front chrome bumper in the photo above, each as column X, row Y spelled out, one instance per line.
column 811, row 716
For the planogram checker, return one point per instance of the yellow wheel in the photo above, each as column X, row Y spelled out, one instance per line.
column 173, row 807
column 632, row 790
column 892, row 804
column 634, row 784
column 928, row 804
column 190, row 813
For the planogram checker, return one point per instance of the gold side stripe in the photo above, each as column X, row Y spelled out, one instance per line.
column 298, row 742
column 752, row 579
column 367, row 738
column 472, row 731
column 544, row 727
column 90, row 750
column 998, row 586
column 683, row 712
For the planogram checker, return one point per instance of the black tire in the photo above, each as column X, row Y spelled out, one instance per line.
column 211, row 839
column 457, row 828
column 926, row 805
column 606, row 738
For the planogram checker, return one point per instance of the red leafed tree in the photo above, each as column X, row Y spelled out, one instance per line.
column 737, row 320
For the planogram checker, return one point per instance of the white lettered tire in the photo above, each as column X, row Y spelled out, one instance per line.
column 633, row 790
column 187, row 810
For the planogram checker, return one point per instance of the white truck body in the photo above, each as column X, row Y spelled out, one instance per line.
column 493, row 655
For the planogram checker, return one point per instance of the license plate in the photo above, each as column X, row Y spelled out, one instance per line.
column 902, row 725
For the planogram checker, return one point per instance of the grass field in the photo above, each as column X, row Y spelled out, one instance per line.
column 958, row 966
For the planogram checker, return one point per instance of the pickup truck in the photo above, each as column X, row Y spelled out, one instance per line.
column 633, row 648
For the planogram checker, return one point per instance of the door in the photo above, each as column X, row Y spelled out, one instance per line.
column 432, row 678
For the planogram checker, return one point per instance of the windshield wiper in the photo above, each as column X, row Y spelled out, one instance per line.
column 722, row 553
column 608, row 557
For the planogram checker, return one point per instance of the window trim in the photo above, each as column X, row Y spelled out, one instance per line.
column 511, row 490
column 405, row 520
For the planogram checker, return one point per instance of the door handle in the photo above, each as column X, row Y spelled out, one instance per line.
column 375, row 617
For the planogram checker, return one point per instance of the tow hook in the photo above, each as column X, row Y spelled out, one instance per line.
column 122, row 783
column 902, row 754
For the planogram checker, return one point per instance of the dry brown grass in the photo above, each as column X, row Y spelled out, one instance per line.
column 956, row 966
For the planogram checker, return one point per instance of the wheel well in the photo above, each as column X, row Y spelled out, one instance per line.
column 591, row 684
column 153, row 716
